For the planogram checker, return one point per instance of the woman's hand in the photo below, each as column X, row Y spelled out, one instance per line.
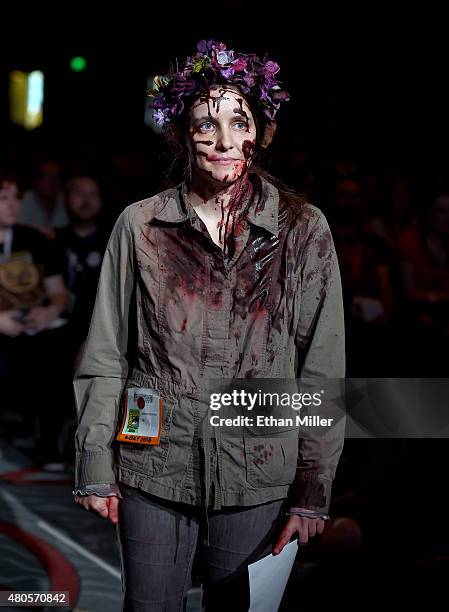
column 106, row 507
column 306, row 527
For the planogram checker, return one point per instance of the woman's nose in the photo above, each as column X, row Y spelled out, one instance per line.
column 224, row 141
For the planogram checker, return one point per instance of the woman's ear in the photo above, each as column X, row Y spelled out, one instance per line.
column 268, row 134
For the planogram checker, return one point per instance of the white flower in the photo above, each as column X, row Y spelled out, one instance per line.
column 225, row 57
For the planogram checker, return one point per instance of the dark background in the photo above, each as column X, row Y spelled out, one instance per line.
column 370, row 87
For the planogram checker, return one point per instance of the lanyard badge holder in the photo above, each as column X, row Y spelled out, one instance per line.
column 142, row 417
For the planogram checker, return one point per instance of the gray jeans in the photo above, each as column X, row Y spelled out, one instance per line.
column 158, row 540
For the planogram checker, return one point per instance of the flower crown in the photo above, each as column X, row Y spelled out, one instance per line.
column 214, row 64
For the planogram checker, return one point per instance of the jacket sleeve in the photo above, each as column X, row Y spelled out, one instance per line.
column 320, row 341
column 103, row 369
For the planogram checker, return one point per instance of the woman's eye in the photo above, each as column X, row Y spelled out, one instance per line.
column 207, row 126
column 241, row 125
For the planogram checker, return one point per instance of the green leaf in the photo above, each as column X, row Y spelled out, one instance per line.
column 201, row 63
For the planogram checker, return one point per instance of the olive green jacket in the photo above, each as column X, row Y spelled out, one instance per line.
column 172, row 313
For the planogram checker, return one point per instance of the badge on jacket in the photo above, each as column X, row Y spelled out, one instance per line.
column 142, row 417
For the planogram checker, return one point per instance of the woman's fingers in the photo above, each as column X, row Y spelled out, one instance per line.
column 305, row 527
column 311, row 527
column 113, row 509
column 100, row 505
column 292, row 526
column 106, row 507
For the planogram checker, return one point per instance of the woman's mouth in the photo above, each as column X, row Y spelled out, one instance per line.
column 222, row 161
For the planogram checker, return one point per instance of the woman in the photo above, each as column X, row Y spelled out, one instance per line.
column 225, row 276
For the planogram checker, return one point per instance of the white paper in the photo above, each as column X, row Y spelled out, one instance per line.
column 268, row 579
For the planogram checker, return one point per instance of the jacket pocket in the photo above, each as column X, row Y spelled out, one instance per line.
column 145, row 459
column 148, row 459
column 169, row 460
column 271, row 462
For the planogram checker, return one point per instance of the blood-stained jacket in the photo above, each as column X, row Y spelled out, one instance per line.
column 172, row 314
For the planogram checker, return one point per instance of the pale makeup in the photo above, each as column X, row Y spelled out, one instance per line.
column 221, row 135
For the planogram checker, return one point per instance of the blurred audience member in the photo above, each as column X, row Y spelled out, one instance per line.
column 424, row 252
column 82, row 244
column 424, row 264
column 395, row 213
column 365, row 264
column 32, row 297
column 43, row 205
column 32, row 291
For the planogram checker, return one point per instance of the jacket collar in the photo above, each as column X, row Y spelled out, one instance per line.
column 263, row 212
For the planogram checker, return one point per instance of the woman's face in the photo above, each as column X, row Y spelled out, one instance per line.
column 221, row 135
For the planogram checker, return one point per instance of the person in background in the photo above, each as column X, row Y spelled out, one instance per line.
column 395, row 213
column 424, row 252
column 32, row 298
column 366, row 265
column 424, row 266
column 82, row 244
column 43, row 205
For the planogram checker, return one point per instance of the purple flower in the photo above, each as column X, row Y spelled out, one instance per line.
column 159, row 102
column 248, row 79
column 214, row 63
column 160, row 117
column 177, row 107
column 270, row 68
column 205, row 46
column 228, row 73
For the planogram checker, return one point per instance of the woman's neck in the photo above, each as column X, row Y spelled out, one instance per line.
column 213, row 198
column 222, row 208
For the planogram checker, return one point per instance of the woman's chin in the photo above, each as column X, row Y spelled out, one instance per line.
column 227, row 179
column 221, row 177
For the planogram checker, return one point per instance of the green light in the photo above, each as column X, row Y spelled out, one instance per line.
column 78, row 64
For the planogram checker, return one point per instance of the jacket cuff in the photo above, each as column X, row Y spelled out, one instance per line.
column 310, row 490
column 92, row 467
column 101, row 490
